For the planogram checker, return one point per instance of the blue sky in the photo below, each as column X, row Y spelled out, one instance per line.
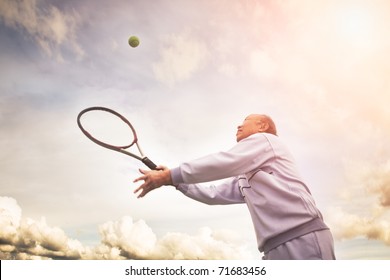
column 319, row 68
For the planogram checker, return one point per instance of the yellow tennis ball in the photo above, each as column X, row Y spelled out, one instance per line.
column 133, row 41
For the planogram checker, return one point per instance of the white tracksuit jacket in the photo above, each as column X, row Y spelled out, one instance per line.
column 261, row 174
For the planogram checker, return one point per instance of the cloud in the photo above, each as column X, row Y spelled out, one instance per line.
column 181, row 57
column 25, row 238
column 365, row 208
column 348, row 226
column 29, row 239
column 49, row 27
column 206, row 244
column 378, row 183
column 373, row 178
column 134, row 239
column 262, row 64
column 10, row 218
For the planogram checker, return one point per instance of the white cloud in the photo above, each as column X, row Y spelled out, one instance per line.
column 206, row 244
column 25, row 238
column 10, row 215
column 22, row 238
column 181, row 56
column 49, row 27
column 262, row 64
column 135, row 240
column 364, row 207
column 349, row 226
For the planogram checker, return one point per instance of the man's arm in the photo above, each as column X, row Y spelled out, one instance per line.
column 227, row 192
column 247, row 155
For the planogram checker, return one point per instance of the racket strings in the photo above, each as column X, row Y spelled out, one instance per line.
column 119, row 126
column 107, row 129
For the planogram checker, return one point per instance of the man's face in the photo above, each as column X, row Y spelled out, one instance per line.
column 251, row 125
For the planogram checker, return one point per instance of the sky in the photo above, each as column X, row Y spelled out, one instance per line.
column 318, row 68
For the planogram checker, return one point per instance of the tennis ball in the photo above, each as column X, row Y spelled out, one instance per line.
column 133, row 41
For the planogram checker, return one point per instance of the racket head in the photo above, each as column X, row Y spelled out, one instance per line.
column 100, row 142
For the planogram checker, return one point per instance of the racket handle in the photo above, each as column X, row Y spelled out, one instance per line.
column 149, row 163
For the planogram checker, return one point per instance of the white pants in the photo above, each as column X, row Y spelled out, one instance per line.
column 317, row 245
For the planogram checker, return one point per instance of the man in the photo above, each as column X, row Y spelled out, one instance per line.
column 261, row 174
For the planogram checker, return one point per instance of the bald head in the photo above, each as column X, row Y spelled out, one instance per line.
column 269, row 124
column 255, row 123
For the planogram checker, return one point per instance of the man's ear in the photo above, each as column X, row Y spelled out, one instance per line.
column 263, row 126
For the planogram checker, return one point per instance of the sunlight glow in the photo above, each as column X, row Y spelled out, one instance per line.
column 356, row 26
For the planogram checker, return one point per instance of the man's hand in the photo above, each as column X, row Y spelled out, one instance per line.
column 153, row 179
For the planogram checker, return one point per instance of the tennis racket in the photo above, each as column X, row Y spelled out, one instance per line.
column 98, row 117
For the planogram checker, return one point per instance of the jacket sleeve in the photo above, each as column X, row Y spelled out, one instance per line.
column 227, row 192
column 247, row 155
